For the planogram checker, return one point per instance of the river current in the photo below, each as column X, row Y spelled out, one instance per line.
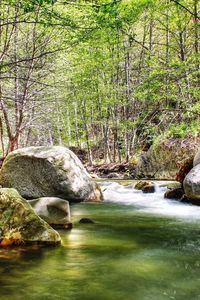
column 141, row 247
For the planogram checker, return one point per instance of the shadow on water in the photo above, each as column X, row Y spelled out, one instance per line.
column 126, row 254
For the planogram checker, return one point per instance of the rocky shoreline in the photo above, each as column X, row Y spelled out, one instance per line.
column 161, row 161
column 39, row 183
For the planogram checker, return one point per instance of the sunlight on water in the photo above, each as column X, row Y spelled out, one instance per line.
column 74, row 238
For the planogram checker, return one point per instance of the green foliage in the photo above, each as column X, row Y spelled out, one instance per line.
column 183, row 130
column 111, row 74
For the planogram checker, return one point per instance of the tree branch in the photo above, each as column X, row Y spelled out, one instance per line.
column 187, row 9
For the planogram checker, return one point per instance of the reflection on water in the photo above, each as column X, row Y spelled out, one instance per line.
column 132, row 252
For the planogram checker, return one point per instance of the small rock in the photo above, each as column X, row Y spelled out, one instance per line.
column 94, row 176
column 148, row 189
column 54, row 211
column 176, row 193
column 184, row 199
column 113, row 175
column 140, row 184
column 86, row 221
column 145, row 186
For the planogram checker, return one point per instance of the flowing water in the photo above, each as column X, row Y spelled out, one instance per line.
column 141, row 247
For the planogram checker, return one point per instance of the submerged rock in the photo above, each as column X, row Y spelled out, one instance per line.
column 19, row 223
column 86, row 221
column 48, row 172
column 54, row 211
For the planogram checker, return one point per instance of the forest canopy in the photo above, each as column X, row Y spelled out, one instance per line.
column 105, row 76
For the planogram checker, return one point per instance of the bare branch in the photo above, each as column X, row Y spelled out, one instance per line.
column 186, row 8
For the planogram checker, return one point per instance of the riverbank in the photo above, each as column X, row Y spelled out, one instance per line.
column 161, row 161
column 113, row 170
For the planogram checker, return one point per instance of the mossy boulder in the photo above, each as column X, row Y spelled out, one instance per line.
column 48, row 172
column 19, row 223
column 163, row 159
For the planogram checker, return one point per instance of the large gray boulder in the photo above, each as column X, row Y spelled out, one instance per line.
column 48, row 172
column 19, row 223
column 191, row 183
column 54, row 211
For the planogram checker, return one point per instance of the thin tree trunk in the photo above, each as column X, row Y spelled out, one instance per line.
column 1, row 138
column 126, row 106
column 167, row 55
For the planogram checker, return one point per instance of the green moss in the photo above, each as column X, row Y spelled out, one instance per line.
column 29, row 227
column 6, row 216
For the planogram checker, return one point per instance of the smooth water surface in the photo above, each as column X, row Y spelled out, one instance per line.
column 140, row 247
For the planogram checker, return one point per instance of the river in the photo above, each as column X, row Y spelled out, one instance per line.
column 141, row 247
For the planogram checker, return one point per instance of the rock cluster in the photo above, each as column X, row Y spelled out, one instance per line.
column 45, row 177
column 19, row 223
